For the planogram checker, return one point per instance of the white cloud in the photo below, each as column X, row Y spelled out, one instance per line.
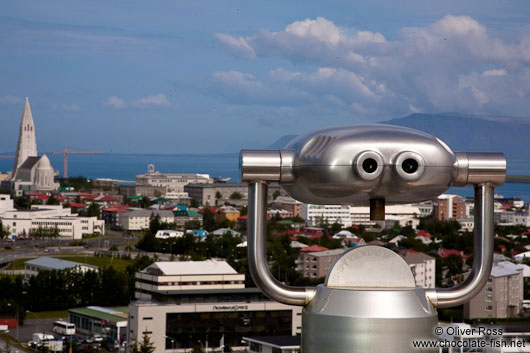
column 116, row 102
column 154, row 100
column 159, row 99
column 10, row 100
column 238, row 45
column 438, row 67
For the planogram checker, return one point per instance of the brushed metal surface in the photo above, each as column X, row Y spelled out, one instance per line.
column 367, row 321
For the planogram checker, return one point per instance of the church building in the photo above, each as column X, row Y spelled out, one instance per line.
column 30, row 172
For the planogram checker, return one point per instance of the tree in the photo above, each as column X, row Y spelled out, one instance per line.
column 52, row 200
column 93, row 210
column 276, row 194
column 146, row 346
column 218, row 195
column 236, row 196
column 4, row 231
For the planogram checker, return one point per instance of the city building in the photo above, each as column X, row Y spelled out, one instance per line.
column 273, row 344
column 112, row 215
column 184, row 216
column 449, row 207
column 33, row 267
column 407, row 214
column 218, row 194
column 139, row 219
column 467, row 224
column 100, row 320
column 228, row 213
column 47, row 218
column 186, row 275
column 423, row 268
column 180, row 304
column 289, row 204
column 316, row 264
column 502, row 297
column 172, row 182
column 30, row 172
column 316, row 214
column 142, row 190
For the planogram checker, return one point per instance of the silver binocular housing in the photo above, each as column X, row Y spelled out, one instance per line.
column 369, row 301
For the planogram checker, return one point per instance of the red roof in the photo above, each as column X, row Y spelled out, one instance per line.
column 90, row 196
column 34, row 193
column 448, row 252
column 116, row 209
column 105, row 198
column 314, row 248
column 245, row 217
column 424, row 233
column 77, row 205
column 42, row 197
column 411, row 251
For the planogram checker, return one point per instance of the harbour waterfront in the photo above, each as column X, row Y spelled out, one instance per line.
column 127, row 166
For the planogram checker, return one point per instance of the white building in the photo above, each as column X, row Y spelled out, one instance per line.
column 187, row 275
column 168, row 233
column 422, row 267
column 173, row 182
column 140, row 219
column 315, row 214
column 467, row 224
column 407, row 214
column 70, row 226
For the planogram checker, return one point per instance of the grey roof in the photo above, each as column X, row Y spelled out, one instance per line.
column 501, row 271
column 149, row 213
column 53, row 263
column 29, row 163
column 327, row 252
column 416, row 258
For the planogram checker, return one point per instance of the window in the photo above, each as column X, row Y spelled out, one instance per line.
column 255, row 347
column 148, row 318
column 489, row 308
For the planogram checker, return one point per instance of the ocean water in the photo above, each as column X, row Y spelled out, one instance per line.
column 127, row 166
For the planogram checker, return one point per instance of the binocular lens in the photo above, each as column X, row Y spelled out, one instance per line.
column 410, row 165
column 369, row 165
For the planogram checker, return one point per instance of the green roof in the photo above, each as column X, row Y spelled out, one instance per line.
column 96, row 314
column 285, row 221
column 186, row 213
column 136, row 197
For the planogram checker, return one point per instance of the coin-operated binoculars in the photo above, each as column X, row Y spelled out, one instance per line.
column 369, row 302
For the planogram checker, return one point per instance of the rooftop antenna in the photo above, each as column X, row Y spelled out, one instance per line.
column 369, row 302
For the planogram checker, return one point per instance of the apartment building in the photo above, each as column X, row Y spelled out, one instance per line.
column 316, row 214
column 449, row 207
column 140, row 219
column 289, row 204
column 316, row 264
column 407, row 214
column 217, row 194
column 423, row 268
column 502, row 297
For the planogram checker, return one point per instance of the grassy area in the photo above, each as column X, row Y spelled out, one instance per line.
column 118, row 264
column 47, row 315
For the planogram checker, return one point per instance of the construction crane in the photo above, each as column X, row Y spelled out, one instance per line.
column 66, row 153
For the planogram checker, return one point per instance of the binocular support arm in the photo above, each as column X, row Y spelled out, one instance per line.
column 482, row 255
column 257, row 252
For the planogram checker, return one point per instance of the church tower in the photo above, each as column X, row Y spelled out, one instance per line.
column 27, row 143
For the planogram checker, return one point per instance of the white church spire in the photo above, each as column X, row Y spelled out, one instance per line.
column 27, row 143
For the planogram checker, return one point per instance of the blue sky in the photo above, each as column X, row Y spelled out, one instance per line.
column 217, row 76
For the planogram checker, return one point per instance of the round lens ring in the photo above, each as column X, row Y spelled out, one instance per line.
column 369, row 165
column 409, row 165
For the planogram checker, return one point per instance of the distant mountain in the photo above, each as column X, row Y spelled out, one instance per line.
column 470, row 133
column 281, row 142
